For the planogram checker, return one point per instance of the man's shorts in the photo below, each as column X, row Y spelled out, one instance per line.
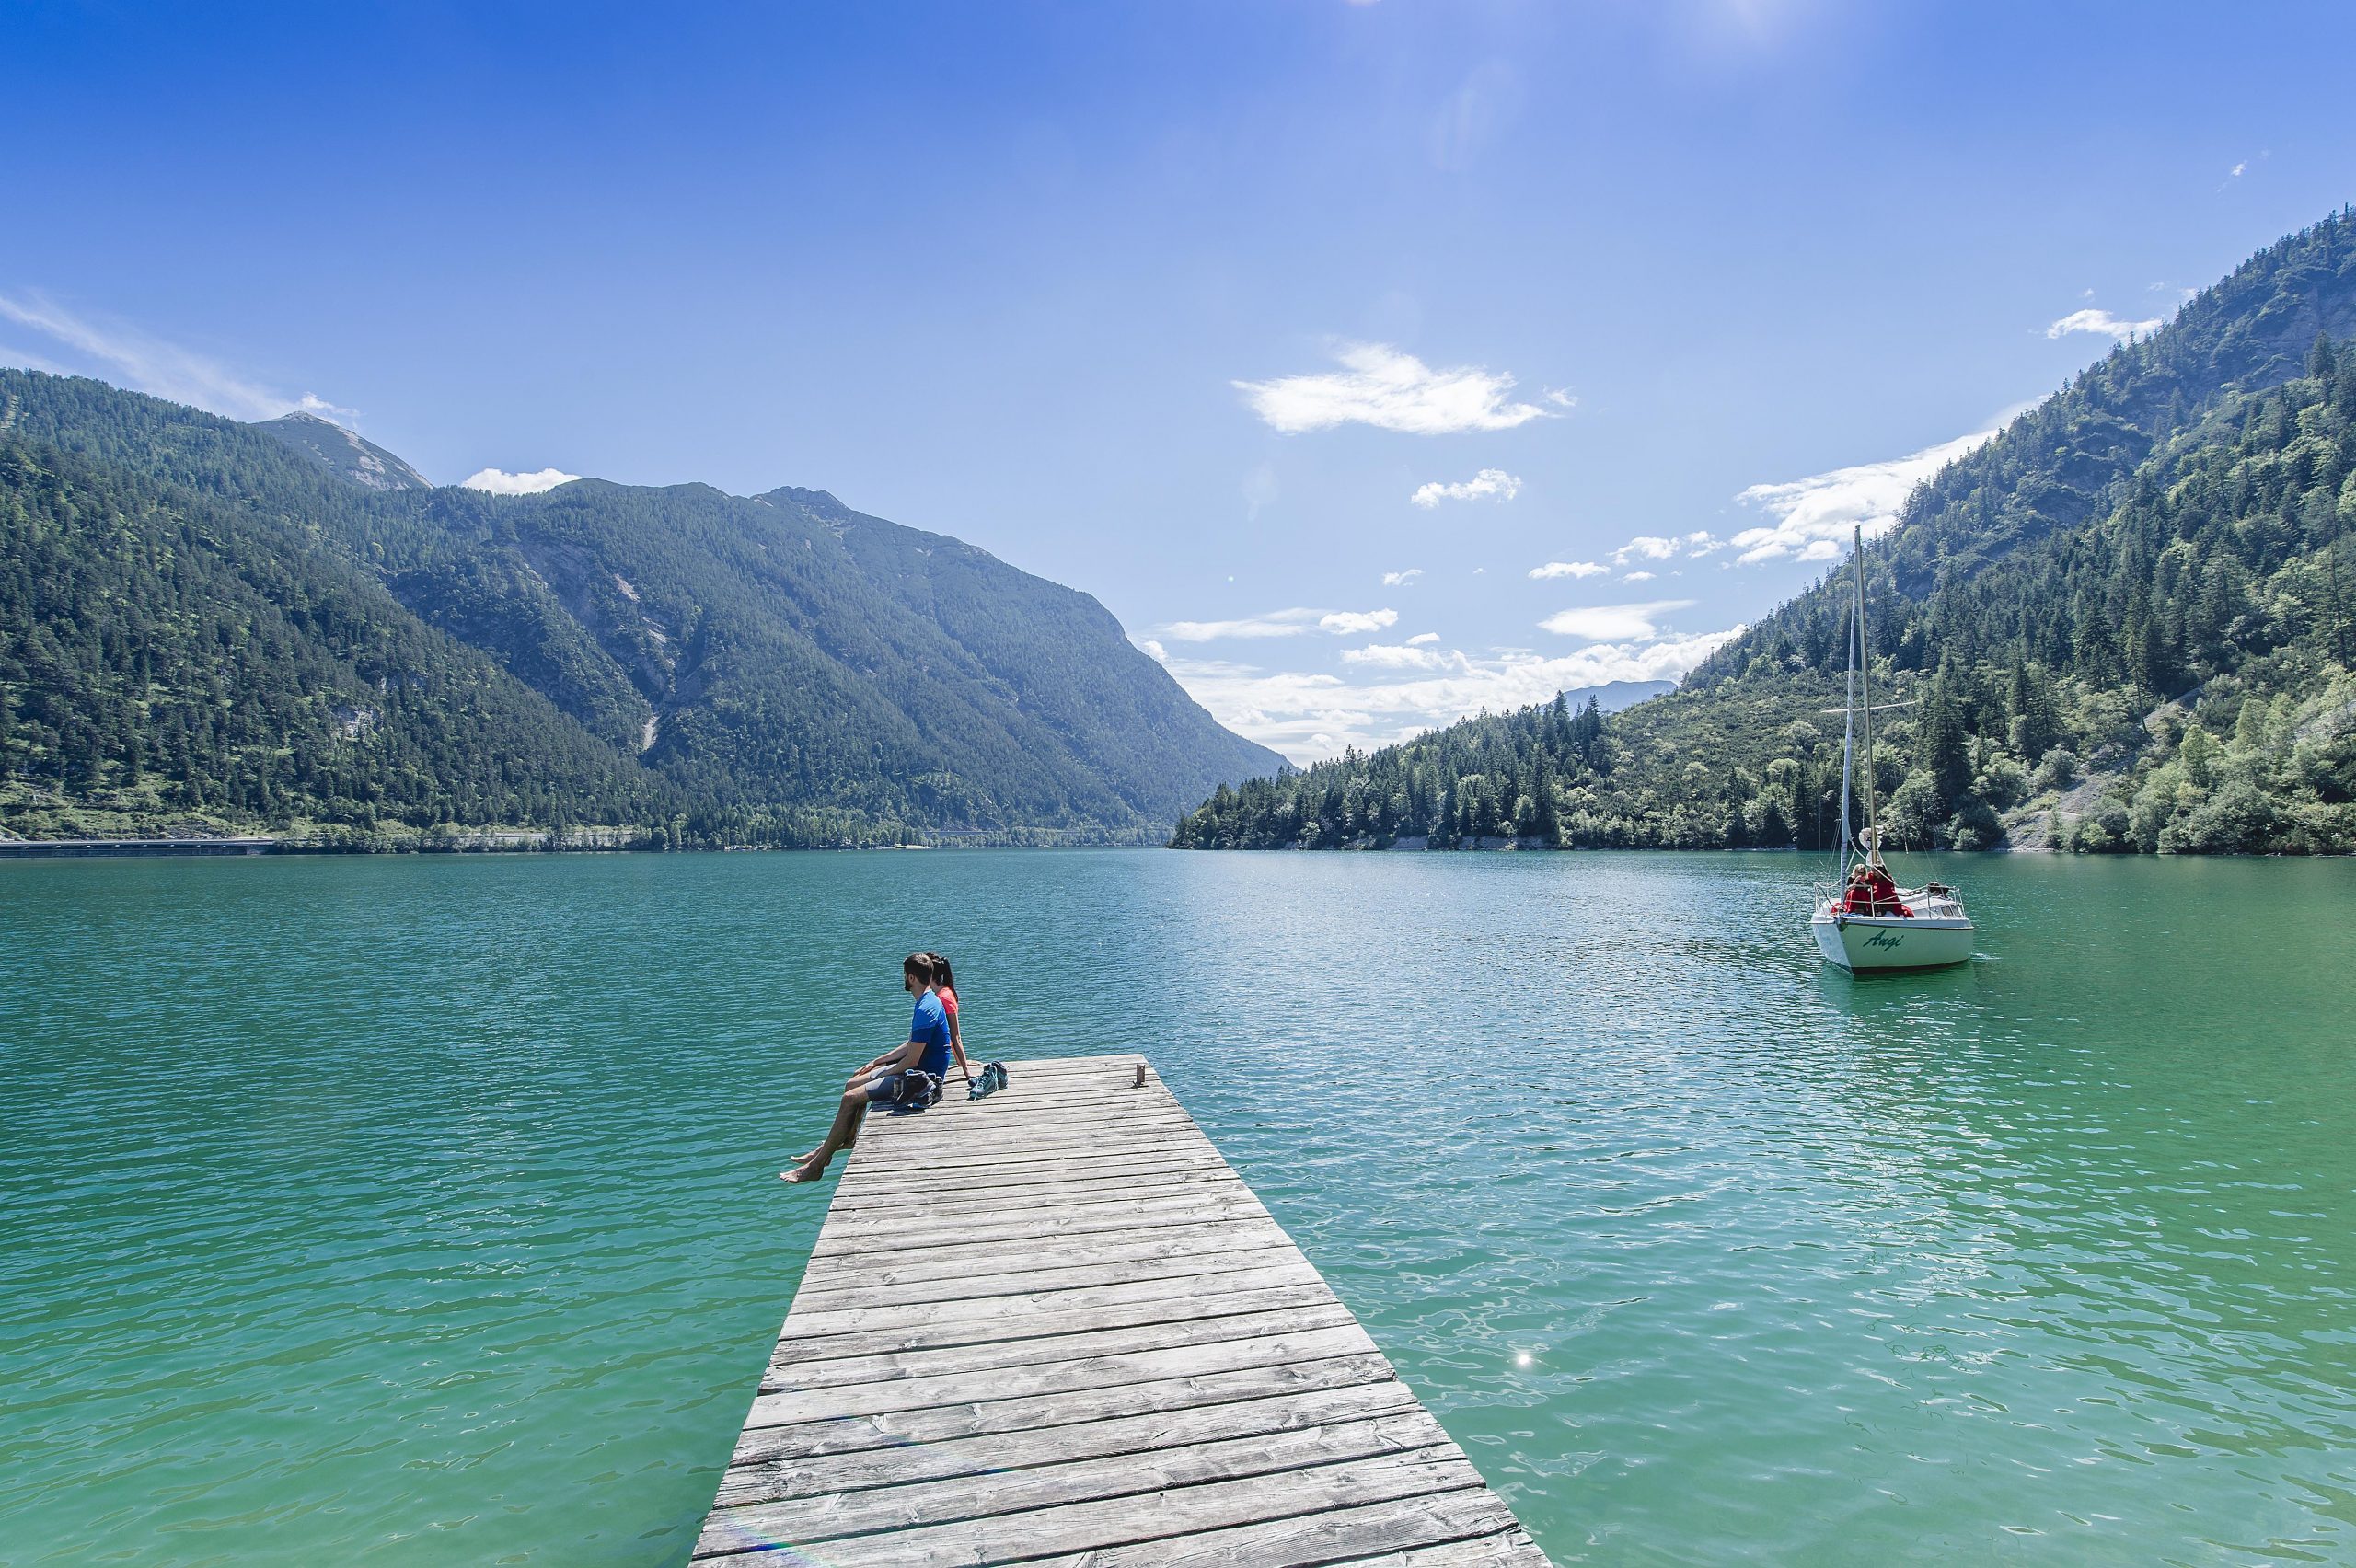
column 881, row 1086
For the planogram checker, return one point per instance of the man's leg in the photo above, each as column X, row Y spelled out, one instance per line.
column 845, row 1131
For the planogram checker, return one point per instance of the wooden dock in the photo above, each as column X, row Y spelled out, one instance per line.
column 1053, row 1326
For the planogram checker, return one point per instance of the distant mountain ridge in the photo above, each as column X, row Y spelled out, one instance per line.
column 773, row 669
column 1616, row 697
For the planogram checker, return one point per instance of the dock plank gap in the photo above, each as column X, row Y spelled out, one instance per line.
column 1053, row 1326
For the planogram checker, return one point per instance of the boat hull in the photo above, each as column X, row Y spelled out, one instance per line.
column 1865, row 943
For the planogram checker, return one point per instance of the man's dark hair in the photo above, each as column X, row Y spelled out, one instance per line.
column 940, row 974
column 918, row 965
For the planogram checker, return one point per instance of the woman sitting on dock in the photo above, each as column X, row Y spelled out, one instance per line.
column 944, row 985
column 926, row 1049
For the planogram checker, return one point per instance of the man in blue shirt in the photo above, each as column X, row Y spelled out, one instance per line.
column 927, row 1047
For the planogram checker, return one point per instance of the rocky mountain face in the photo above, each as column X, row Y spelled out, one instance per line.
column 344, row 452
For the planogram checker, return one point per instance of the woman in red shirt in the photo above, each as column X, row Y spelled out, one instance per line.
column 944, row 985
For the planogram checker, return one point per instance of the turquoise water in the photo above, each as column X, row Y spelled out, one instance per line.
column 423, row 1210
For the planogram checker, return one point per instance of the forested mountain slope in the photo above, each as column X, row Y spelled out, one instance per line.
column 169, row 658
column 728, row 669
column 2126, row 621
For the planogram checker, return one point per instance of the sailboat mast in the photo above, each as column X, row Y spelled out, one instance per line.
column 1865, row 689
column 1848, row 735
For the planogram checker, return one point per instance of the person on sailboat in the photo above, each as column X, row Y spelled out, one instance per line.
column 1871, row 892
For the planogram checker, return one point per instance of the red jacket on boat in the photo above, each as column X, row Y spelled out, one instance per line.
column 1875, row 896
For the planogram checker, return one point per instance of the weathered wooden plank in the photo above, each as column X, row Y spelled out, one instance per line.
column 1109, row 1345
column 1065, row 1409
column 938, row 1135
column 862, row 1269
column 1142, row 1198
column 982, row 1187
column 1205, row 1269
column 957, row 1117
column 1109, row 1211
column 915, row 1333
column 1111, row 1219
column 829, row 1517
column 1012, row 1315
column 1507, row 1549
column 1102, row 1350
column 980, row 1201
column 967, row 1129
column 782, row 1407
column 1139, row 1167
column 1290, row 1408
column 1399, row 1525
column 1102, row 1525
column 1157, row 1144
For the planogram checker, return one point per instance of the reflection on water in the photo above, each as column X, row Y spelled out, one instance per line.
column 423, row 1210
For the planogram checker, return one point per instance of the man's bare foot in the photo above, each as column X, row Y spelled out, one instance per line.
column 805, row 1171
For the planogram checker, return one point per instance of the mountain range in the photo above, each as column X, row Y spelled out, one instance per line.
column 206, row 624
column 2125, row 623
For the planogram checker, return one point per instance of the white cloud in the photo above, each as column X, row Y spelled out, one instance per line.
column 1311, row 715
column 312, row 403
column 1384, row 387
column 1651, row 546
column 1488, row 481
column 1155, row 651
column 1400, row 656
column 1637, row 577
column 1561, row 398
column 2104, row 324
column 2236, row 172
column 499, row 481
column 1553, row 569
column 1613, row 623
column 1813, row 516
column 1275, row 623
column 1292, row 622
column 1401, row 579
column 125, row 354
column 1423, row 638
column 1356, row 623
column 1655, row 547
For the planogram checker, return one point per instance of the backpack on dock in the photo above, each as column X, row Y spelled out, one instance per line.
column 916, row 1089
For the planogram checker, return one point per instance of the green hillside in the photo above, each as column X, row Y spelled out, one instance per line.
column 696, row 666
column 170, row 661
column 2126, row 622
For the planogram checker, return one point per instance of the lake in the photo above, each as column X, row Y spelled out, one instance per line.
column 424, row 1210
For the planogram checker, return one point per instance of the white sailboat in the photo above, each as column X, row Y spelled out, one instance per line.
column 1866, row 922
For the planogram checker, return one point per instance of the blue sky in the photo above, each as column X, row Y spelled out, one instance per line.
column 1372, row 362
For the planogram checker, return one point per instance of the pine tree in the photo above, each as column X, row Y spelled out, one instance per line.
column 1942, row 748
column 2035, row 722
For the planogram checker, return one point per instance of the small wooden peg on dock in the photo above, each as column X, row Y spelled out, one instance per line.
column 1141, row 1079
